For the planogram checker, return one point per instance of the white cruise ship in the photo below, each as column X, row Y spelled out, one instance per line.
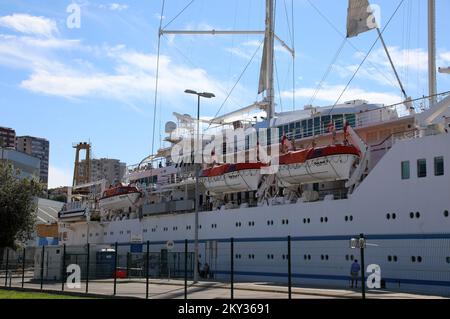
column 342, row 170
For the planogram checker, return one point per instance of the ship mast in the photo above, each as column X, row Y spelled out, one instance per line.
column 432, row 51
column 266, row 80
column 267, row 66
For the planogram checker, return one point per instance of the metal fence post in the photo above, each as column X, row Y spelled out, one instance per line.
column 185, row 267
column 87, row 266
column 147, row 267
column 289, row 268
column 63, row 268
column 7, row 267
column 232, row 267
column 363, row 271
column 115, row 268
column 23, row 266
column 42, row 267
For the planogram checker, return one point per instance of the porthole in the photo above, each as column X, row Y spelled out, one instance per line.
column 326, row 257
column 394, row 216
column 388, row 216
column 419, row 259
column 322, row 257
column 417, row 215
column 395, row 258
column 321, row 219
column 411, row 215
column 446, row 213
column 326, row 219
column 413, row 259
column 346, row 218
column 304, row 220
column 351, row 218
column 389, row 258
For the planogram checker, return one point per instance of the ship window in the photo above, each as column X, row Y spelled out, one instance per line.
column 439, row 166
column 388, row 216
column 317, row 126
column 389, row 258
column 419, row 259
column 422, row 168
column 417, row 215
column 338, row 122
column 395, row 258
column 411, row 215
column 446, row 213
column 351, row 119
column 405, row 170
column 413, row 259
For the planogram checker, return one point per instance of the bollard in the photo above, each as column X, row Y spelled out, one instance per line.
column 185, row 267
column 115, row 268
column 289, row 268
column 23, row 266
column 232, row 267
column 63, row 269
column 147, row 267
column 87, row 267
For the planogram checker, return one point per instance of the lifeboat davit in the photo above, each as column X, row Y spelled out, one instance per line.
column 317, row 165
column 119, row 198
column 232, row 178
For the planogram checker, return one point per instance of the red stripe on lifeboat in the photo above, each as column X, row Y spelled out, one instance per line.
column 312, row 153
column 228, row 168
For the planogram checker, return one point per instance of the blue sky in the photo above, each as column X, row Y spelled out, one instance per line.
column 96, row 83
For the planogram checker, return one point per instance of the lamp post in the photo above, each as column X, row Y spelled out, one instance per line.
column 197, row 173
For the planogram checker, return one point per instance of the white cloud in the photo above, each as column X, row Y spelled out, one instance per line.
column 28, row 24
column 117, row 6
column 58, row 177
column 445, row 57
column 330, row 93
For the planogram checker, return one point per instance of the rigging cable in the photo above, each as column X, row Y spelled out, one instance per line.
column 328, row 71
column 365, row 58
column 237, row 82
column 180, row 13
column 157, row 77
column 349, row 42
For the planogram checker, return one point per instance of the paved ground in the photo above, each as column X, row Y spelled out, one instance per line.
column 174, row 289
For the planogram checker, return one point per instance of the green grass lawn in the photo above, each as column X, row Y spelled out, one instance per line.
column 9, row 294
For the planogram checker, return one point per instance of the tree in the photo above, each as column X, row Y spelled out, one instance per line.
column 18, row 204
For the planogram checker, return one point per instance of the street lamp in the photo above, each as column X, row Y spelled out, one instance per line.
column 197, row 173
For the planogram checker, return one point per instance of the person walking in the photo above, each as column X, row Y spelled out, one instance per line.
column 354, row 273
